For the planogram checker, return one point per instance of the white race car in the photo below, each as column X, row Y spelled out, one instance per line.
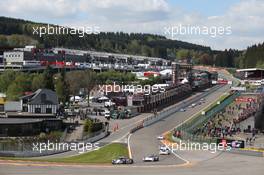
column 151, row 158
column 122, row 160
column 164, row 150
column 160, row 137
column 182, row 110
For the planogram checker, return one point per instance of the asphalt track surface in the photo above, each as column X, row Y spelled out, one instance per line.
column 226, row 164
column 145, row 142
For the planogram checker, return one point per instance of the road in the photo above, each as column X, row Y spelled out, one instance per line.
column 121, row 134
column 226, row 163
column 144, row 141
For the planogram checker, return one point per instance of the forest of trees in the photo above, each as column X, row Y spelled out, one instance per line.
column 18, row 33
column 15, row 84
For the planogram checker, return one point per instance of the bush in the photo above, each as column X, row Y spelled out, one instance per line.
column 91, row 126
column 88, row 126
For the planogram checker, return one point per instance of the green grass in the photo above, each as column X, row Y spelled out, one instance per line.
column 168, row 137
column 103, row 155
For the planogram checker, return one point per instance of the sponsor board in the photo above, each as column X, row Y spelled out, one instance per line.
column 231, row 143
column 221, row 82
column 238, row 88
column 245, row 99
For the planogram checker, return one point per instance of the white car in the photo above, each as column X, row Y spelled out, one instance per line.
column 163, row 147
column 151, row 158
column 192, row 105
column 107, row 114
column 182, row 110
column 165, row 151
column 160, row 137
column 109, row 103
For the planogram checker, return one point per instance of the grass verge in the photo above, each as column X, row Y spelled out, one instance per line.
column 103, row 155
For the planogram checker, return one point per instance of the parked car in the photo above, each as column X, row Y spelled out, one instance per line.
column 151, row 158
column 107, row 114
column 109, row 103
column 122, row 160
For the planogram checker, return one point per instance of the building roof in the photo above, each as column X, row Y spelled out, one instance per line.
column 50, row 97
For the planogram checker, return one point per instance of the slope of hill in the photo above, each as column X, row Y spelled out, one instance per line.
column 17, row 32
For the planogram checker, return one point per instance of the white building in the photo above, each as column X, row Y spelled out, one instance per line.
column 13, row 58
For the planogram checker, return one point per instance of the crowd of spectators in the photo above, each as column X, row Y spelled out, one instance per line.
column 226, row 123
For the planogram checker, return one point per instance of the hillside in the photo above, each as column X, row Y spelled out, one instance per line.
column 17, row 32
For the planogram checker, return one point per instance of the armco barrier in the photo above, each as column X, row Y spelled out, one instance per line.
column 138, row 127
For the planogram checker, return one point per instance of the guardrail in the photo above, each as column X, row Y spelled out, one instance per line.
column 138, row 127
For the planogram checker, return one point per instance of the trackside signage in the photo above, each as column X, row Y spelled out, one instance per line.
column 238, row 88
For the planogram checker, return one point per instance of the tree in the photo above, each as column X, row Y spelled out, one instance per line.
column 48, row 78
column 14, row 91
column 88, row 125
column 6, row 78
column 89, row 81
column 3, row 41
column 62, row 88
column 75, row 82
column 206, row 59
column 182, row 54
column 134, row 47
column 19, row 86
column 38, row 82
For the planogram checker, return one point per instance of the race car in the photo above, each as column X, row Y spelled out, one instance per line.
column 122, row 160
column 160, row 137
column 164, row 150
column 151, row 158
column 182, row 110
